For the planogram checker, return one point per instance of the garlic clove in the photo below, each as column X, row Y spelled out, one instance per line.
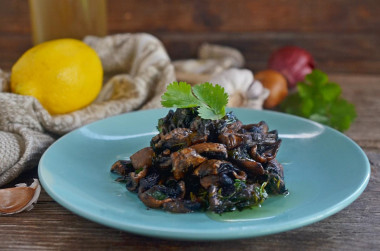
column 255, row 89
column 242, row 88
column 237, row 99
column 20, row 198
column 233, row 80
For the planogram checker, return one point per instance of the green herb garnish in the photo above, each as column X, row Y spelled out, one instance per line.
column 139, row 170
column 158, row 195
column 211, row 100
column 319, row 100
column 239, row 184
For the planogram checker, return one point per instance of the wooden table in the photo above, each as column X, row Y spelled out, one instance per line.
column 344, row 38
column 50, row 226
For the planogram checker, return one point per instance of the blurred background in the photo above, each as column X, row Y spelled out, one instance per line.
column 342, row 35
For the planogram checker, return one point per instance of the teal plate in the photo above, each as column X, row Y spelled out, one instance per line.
column 324, row 172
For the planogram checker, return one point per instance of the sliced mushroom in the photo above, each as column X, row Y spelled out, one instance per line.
column 271, row 137
column 234, row 126
column 208, row 167
column 197, row 138
column 228, row 168
column 142, row 158
column 181, row 206
column 133, row 178
column 240, row 175
column 20, row 198
column 164, row 163
column 183, row 160
column 213, row 198
column 260, row 127
column 210, row 180
column 241, row 157
column 122, row 167
column 211, row 150
column 155, row 197
column 148, row 181
column 274, row 167
column 174, row 140
column 257, row 131
column 252, row 167
column 265, row 152
column 233, row 139
column 181, row 118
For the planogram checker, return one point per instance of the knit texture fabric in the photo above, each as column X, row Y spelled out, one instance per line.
column 137, row 70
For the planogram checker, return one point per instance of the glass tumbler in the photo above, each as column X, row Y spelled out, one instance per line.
column 52, row 19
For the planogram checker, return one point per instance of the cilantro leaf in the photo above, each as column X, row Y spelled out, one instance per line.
column 179, row 95
column 342, row 113
column 316, row 78
column 211, row 100
column 331, row 91
column 206, row 113
column 321, row 101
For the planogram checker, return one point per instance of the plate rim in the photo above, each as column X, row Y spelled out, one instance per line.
column 212, row 235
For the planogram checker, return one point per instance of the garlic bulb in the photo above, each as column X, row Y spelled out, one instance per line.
column 20, row 198
column 212, row 59
column 242, row 88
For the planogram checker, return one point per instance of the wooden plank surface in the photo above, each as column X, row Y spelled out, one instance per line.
column 50, row 226
column 346, row 16
column 343, row 35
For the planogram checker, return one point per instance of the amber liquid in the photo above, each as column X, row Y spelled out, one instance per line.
column 52, row 19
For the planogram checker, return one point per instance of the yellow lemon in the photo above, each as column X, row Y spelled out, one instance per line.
column 64, row 75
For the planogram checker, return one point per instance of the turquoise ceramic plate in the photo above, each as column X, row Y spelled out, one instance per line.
column 324, row 171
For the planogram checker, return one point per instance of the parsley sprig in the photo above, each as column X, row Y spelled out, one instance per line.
column 320, row 100
column 210, row 99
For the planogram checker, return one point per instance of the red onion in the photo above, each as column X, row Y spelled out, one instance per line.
column 293, row 62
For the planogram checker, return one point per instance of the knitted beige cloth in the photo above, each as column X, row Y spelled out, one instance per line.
column 137, row 70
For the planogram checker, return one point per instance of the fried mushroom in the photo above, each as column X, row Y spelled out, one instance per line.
column 122, row 167
column 265, row 152
column 232, row 139
column 174, row 140
column 241, row 157
column 132, row 179
column 181, row 206
column 183, row 160
column 211, row 150
column 194, row 163
column 142, row 158
column 208, row 167
column 155, row 197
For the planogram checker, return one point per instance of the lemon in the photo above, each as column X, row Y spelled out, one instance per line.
column 64, row 75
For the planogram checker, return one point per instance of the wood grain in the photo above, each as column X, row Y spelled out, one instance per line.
column 343, row 35
column 49, row 226
column 305, row 16
column 332, row 53
column 245, row 16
